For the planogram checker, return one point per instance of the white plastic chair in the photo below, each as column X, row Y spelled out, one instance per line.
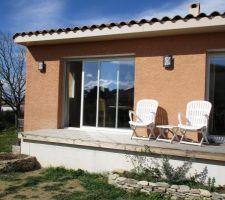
column 197, row 115
column 144, row 118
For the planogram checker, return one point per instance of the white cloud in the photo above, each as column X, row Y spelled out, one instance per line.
column 89, row 75
column 35, row 15
column 182, row 8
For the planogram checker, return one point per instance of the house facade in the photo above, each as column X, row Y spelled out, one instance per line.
column 112, row 66
column 81, row 83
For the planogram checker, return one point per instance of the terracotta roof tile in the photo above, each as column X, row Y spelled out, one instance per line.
column 120, row 24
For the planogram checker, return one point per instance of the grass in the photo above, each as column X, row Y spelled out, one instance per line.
column 7, row 139
column 61, row 184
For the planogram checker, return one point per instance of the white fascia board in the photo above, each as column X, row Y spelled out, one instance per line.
column 145, row 30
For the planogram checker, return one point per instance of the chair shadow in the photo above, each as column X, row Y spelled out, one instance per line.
column 161, row 119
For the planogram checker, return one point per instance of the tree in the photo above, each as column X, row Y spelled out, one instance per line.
column 12, row 73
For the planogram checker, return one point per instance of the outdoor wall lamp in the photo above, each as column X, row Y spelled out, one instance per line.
column 168, row 61
column 41, row 66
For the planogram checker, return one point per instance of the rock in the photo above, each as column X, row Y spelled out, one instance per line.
column 118, row 171
column 152, row 184
column 217, row 196
column 184, row 189
column 130, row 181
column 193, row 195
column 143, row 183
column 205, row 193
column 195, row 191
column 174, row 197
column 145, row 191
column 176, row 187
column 121, row 179
column 18, row 163
column 148, row 188
column 162, row 184
column 113, row 176
column 170, row 190
column 128, row 188
column 160, row 189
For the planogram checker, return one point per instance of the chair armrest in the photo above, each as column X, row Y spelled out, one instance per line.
column 131, row 112
column 154, row 114
column 180, row 118
column 206, row 119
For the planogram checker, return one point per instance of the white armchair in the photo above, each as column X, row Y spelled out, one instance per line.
column 197, row 115
column 144, row 117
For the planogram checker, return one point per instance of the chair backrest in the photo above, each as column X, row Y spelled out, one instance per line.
column 146, row 110
column 197, row 113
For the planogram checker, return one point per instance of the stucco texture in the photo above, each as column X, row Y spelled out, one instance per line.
column 172, row 88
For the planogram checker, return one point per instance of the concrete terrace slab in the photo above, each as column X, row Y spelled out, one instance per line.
column 121, row 141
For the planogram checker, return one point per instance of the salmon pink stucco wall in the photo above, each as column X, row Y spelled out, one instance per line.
column 172, row 88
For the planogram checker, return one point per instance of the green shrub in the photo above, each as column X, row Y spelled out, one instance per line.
column 211, row 184
column 175, row 175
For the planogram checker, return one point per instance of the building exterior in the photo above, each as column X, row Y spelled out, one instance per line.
column 91, row 76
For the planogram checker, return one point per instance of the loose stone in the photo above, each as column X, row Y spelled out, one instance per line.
column 162, row 184
column 170, row 190
column 195, row 191
column 152, row 184
column 160, row 189
column 176, row 187
column 184, row 189
column 121, row 179
column 143, row 183
column 205, row 193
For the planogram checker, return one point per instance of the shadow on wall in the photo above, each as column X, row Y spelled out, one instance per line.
column 161, row 119
column 161, row 116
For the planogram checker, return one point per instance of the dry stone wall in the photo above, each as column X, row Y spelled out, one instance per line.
column 175, row 191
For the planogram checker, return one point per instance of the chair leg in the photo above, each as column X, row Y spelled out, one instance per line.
column 134, row 132
column 152, row 133
column 183, row 132
column 205, row 136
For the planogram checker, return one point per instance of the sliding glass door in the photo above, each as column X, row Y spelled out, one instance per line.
column 108, row 92
column 217, row 94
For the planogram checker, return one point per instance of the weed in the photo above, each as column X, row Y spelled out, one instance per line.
column 61, row 174
column 32, row 181
column 175, row 175
column 11, row 176
column 211, row 184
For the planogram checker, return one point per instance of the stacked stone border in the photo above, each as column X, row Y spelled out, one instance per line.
column 175, row 191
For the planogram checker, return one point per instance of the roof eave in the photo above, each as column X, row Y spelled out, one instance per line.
column 194, row 25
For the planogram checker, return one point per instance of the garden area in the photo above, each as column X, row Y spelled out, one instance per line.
column 62, row 184
column 160, row 181
column 57, row 183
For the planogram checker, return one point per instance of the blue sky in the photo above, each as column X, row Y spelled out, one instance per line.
column 29, row 15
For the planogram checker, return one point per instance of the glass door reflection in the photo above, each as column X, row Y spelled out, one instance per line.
column 90, row 93
column 107, row 94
